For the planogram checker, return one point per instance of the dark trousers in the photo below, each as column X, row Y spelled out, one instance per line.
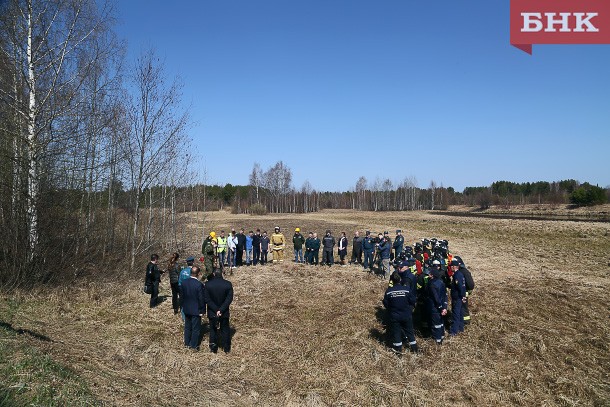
column 356, row 255
column 327, row 257
column 436, row 326
column 264, row 256
column 239, row 258
column 175, row 295
column 368, row 259
column 225, row 333
column 400, row 330
column 457, row 325
column 466, row 312
column 154, row 296
column 192, row 331
column 256, row 255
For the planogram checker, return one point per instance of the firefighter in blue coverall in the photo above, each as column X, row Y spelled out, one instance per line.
column 436, row 300
column 458, row 296
column 399, row 301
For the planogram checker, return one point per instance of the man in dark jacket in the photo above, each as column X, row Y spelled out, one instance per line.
column 315, row 249
column 241, row 246
column 264, row 247
column 384, row 247
column 218, row 298
column 398, row 244
column 297, row 241
column 458, row 297
column 256, row 247
column 399, row 301
column 193, row 305
column 153, row 278
column 368, row 247
column 309, row 248
column 328, row 243
column 357, row 248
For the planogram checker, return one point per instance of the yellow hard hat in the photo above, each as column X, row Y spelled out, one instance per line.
column 297, row 230
column 213, row 234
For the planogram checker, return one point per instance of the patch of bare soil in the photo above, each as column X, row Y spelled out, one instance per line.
column 314, row 336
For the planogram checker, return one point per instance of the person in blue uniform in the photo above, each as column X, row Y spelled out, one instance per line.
column 436, row 299
column 368, row 248
column 458, row 297
column 399, row 301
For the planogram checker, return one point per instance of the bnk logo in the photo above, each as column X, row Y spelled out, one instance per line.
column 559, row 22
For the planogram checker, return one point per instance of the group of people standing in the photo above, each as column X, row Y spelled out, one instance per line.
column 417, row 294
column 195, row 297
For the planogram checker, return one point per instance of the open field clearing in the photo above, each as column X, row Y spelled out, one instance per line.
column 314, row 336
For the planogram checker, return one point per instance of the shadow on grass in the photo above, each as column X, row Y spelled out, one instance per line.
column 21, row 331
column 378, row 335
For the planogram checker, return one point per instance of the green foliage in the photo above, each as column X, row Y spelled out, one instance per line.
column 587, row 194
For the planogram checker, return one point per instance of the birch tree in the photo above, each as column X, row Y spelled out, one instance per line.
column 46, row 41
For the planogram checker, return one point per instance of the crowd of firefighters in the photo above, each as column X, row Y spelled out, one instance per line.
column 420, row 274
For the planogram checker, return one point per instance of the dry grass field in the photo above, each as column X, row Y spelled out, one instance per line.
column 314, row 336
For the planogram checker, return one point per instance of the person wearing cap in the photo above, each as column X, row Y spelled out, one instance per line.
column 407, row 277
column 357, row 248
column 278, row 242
column 398, row 244
column 399, row 301
column 193, row 306
column 458, row 297
column 297, row 241
column 469, row 287
column 328, row 243
column 208, row 249
column 436, row 298
column 368, row 248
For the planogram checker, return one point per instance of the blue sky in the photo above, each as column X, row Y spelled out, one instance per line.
column 342, row 88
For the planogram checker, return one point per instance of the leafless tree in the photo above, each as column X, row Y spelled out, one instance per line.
column 278, row 181
column 158, row 129
column 256, row 179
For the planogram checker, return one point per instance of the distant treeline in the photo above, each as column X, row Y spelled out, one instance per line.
column 382, row 196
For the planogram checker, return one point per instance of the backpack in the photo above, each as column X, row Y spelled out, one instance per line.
column 468, row 279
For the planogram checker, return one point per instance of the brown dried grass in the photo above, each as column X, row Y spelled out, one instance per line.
column 312, row 336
